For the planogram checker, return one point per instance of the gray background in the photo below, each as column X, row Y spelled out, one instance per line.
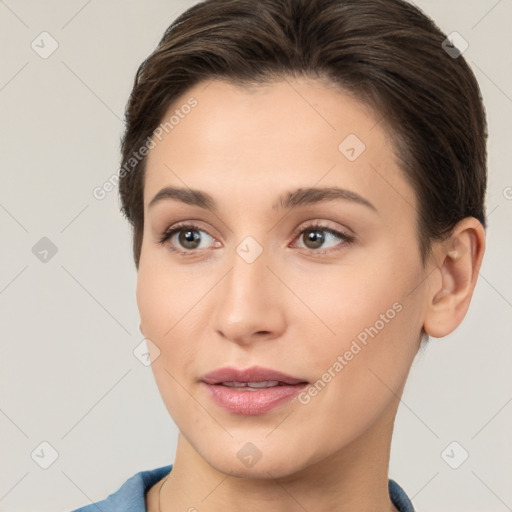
column 70, row 323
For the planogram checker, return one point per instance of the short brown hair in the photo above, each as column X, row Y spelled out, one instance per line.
column 386, row 53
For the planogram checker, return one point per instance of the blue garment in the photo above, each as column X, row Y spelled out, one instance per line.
column 131, row 495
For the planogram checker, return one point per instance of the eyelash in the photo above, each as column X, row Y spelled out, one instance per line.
column 315, row 226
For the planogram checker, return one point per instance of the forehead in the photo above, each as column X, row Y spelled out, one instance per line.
column 297, row 131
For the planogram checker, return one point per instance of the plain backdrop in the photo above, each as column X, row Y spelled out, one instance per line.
column 73, row 395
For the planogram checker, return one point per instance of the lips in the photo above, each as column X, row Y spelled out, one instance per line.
column 252, row 391
column 231, row 376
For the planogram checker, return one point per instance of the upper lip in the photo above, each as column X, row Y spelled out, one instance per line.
column 252, row 374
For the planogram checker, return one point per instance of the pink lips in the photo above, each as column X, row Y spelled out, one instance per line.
column 246, row 400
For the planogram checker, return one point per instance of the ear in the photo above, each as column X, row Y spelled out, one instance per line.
column 458, row 260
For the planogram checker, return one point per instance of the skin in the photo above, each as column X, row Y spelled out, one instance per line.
column 295, row 308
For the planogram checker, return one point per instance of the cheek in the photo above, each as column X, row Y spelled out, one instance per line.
column 164, row 296
column 172, row 315
column 367, row 317
column 163, row 304
column 346, row 301
column 360, row 367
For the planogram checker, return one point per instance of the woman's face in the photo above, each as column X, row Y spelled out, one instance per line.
column 325, row 287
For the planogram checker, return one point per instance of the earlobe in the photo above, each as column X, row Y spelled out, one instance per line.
column 458, row 260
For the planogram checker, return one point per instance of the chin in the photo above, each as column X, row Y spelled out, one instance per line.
column 260, row 459
column 264, row 470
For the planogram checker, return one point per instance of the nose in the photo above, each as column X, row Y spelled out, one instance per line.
column 250, row 302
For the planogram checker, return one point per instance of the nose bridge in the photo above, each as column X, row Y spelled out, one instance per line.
column 246, row 289
column 248, row 304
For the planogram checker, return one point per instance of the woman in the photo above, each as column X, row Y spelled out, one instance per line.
column 305, row 180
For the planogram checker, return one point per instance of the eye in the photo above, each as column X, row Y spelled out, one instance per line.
column 185, row 238
column 318, row 236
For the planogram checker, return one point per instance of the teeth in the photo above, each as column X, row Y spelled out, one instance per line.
column 234, row 384
column 263, row 384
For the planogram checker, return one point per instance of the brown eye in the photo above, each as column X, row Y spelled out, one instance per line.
column 189, row 239
column 321, row 237
column 186, row 239
column 313, row 238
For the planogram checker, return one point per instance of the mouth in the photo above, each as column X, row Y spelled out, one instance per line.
column 252, row 391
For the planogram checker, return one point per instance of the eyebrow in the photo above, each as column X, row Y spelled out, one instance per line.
column 298, row 197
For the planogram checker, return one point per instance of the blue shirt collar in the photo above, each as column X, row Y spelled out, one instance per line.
column 131, row 495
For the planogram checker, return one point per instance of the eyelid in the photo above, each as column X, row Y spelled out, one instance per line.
column 323, row 225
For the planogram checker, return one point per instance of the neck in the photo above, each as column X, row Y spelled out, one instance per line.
column 354, row 478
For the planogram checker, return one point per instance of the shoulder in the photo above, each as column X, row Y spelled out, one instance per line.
column 130, row 497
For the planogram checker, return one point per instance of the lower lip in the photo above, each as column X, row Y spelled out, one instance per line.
column 254, row 401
